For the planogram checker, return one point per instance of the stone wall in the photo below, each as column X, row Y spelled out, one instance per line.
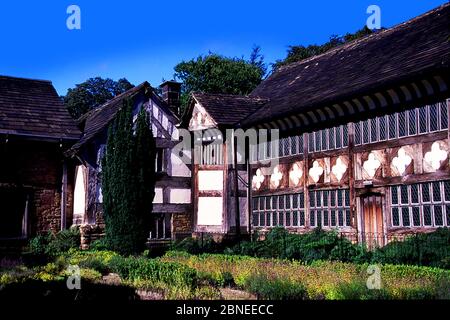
column 181, row 225
column 37, row 167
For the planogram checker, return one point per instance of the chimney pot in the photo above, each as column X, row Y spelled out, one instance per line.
column 171, row 91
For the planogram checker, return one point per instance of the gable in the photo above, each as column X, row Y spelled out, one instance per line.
column 200, row 119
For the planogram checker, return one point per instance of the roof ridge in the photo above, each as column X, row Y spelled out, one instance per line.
column 23, row 78
column 369, row 37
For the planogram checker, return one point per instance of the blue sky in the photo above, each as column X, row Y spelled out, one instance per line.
column 144, row 40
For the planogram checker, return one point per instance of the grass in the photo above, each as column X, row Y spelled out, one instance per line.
column 179, row 275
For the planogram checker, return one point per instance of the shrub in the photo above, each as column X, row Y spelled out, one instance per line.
column 431, row 249
column 52, row 245
column 170, row 273
column 274, row 289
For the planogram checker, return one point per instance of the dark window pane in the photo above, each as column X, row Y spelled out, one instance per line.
column 281, row 202
column 317, row 140
column 434, row 117
column 383, row 128
column 447, row 190
column 324, row 139
column 438, row 218
column 268, row 150
column 332, row 139
column 295, row 201
column 423, row 119
column 261, row 203
column 293, row 144
column 255, row 219
column 333, row 198
column 318, row 198
column 274, row 218
column 339, row 198
column 311, row 141
column 426, row 192
column 365, row 129
column 319, row 218
column 325, row 198
column 412, row 125
column 302, row 200
column 436, row 191
column 405, row 216
column 347, row 198
column 262, row 219
column 312, row 218
column 281, row 148
column 357, row 134
column 404, row 194
column 288, row 219
column 255, row 203
column 300, row 144
column 345, row 136
column 338, row 138
column 288, row 203
column 347, row 218
column 333, row 218
column 394, row 195
column 312, row 201
column 281, row 219
column 395, row 217
column 402, row 124
column 373, row 130
column 286, row 147
column 295, row 218
column 392, row 126
column 447, row 210
column 302, row 218
column 444, row 115
column 341, row 218
column 415, row 193
column 268, row 203
column 427, row 215
column 325, row 218
column 268, row 219
column 416, row 216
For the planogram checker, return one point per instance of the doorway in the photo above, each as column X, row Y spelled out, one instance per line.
column 373, row 226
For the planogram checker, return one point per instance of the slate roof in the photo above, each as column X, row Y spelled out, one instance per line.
column 228, row 109
column 411, row 49
column 31, row 107
column 98, row 119
column 407, row 50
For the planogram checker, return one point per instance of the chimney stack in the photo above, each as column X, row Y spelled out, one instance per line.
column 171, row 94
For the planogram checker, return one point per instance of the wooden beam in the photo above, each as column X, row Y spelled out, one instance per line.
column 172, row 208
column 174, row 182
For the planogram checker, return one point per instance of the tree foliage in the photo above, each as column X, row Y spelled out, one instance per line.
column 298, row 53
column 93, row 93
column 213, row 73
column 128, row 180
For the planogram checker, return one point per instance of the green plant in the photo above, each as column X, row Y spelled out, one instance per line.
column 52, row 245
column 128, row 180
column 274, row 289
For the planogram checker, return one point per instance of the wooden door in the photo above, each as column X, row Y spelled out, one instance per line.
column 373, row 234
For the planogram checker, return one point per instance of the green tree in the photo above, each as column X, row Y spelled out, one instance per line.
column 93, row 93
column 298, row 53
column 214, row 73
column 128, row 180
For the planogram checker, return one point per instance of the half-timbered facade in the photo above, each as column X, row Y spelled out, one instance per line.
column 170, row 218
column 363, row 139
